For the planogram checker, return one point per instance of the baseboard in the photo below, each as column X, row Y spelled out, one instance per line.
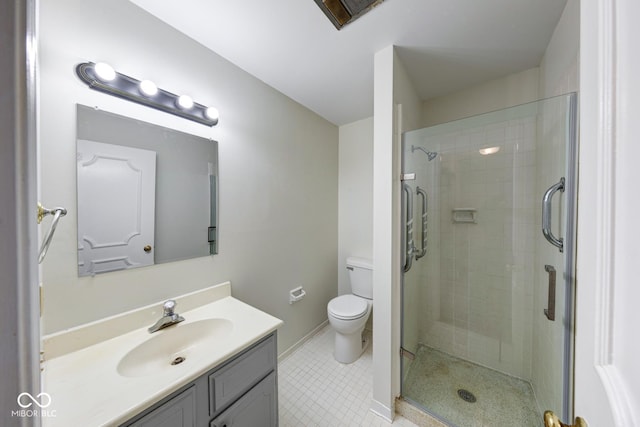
column 302, row 340
column 382, row 411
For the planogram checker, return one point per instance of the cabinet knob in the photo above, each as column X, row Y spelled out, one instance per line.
column 147, row 248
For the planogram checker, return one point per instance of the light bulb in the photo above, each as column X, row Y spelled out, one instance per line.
column 490, row 150
column 104, row 71
column 148, row 88
column 185, row 102
column 212, row 113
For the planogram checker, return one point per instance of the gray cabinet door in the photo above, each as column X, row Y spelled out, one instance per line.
column 180, row 411
column 257, row 408
column 235, row 378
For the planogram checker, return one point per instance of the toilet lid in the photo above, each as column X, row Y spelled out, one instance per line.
column 348, row 307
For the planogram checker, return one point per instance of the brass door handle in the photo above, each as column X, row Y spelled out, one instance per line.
column 551, row 420
column 147, row 248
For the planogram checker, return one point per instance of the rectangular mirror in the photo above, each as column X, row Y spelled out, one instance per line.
column 146, row 194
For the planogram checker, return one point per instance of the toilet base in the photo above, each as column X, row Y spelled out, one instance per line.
column 348, row 348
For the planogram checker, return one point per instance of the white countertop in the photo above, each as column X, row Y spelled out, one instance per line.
column 87, row 390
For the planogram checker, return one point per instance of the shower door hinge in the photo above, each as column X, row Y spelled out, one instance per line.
column 407, row 177
column 407, row 354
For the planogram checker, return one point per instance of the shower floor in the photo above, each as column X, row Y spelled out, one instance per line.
column 433, row 381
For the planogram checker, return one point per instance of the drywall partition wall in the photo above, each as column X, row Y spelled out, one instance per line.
column 396, row 108
column 384, row 235
column 355, row 196
column 508, row 91
column 278, row 165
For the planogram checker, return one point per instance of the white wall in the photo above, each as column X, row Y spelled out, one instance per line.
column 508, row 91
column 355, row 196
column 278, row 172
column 392, row 88
column 385, row 247
column 559, row 65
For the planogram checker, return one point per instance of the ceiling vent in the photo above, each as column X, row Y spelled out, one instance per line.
column 342, row 12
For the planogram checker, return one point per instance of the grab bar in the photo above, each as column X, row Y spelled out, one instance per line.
column 423, row 234
column 42, row 212
column 408, row 232
column 546, row 215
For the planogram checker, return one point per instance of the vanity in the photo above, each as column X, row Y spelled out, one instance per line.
column 241, row 392
column 217, row 368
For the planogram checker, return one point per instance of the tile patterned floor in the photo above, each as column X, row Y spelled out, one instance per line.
column 315, row 390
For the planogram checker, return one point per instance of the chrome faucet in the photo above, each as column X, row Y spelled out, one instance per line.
column 169, row 317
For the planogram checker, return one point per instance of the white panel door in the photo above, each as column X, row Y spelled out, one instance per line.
column 607, row 385
column 116, row 207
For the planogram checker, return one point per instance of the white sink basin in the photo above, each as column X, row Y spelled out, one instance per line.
column 174, row 346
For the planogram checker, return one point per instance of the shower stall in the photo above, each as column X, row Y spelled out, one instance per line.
column 488, row 283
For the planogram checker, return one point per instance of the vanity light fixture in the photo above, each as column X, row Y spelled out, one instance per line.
column 104, row 78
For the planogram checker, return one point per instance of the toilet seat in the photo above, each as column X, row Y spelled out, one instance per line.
column 348, row 307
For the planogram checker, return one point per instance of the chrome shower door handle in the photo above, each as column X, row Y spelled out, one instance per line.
column 546, row 215
column 423, row 234
column 408, row 228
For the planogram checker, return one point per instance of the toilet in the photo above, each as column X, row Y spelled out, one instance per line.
column 348, row 313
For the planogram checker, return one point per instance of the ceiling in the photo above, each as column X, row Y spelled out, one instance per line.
column 446, row 45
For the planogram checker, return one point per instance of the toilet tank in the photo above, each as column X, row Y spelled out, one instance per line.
column 361, row 276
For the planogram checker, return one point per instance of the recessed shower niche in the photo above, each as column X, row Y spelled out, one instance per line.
column 146, row 194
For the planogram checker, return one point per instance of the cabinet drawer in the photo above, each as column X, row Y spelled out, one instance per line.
column 232, row 380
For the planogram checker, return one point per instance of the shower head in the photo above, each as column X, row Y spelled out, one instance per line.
column 430, row 154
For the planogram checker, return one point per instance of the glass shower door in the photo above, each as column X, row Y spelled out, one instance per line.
column 487, row 294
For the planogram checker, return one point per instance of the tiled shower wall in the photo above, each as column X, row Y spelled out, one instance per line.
column 479, row 276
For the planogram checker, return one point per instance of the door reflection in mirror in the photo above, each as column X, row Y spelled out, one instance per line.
column 142, row 186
